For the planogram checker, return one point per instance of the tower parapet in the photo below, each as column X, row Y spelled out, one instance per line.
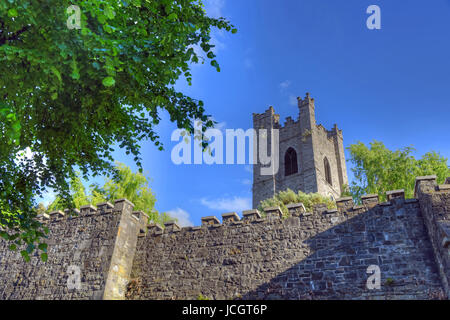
column 315, row 154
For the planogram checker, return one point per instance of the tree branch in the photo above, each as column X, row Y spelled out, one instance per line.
column 14, row 36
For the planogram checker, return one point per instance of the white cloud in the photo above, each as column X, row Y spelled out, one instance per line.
column 285, row 84
column 182, row 216
column 248, row 168
column 221, row 125
column 246, row 182
column 235, row 204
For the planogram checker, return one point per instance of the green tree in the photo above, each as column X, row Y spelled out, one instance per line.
column 77, row 192
column 126, row 184
column 283, row 198
column 377, row 169
column 70, row 94
column 40, row 209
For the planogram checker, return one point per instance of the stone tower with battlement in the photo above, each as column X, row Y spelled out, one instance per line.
column 311, row 158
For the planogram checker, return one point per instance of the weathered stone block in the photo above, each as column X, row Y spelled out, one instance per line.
column 273, row 212
column 210, row 220
column 56, row 215
column 171, row 226
column 443, row 187
column 229, row 217
column 87, row 210
column 370, row 200
column 296, row 209
column 103, row 206
column 249, row 215
column 395, row 194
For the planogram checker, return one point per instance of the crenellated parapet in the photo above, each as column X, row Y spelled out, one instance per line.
column 434, row 202
column 91, row 210
column 307, row 254
column 314, row 154
column 346, row 209
column 317, row 253
column 97, row 243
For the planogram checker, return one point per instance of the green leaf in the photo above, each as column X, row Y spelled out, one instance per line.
column 12, row 13
column 44, row 257
column 109, row 81
column 75, row 75
column 142, row 43
column 172, row 16
column 110, row 13
column 56, row 73
column 101, row 18
column 25, row 255
column 16, row 126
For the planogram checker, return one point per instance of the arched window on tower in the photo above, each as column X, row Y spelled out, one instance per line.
column 326, row 164
column 290, row 162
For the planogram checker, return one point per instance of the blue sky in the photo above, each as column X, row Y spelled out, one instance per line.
column 391, row 85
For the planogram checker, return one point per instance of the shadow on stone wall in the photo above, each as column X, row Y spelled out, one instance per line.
column 392, row 237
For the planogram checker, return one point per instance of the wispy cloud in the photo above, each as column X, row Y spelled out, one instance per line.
column 285, row 84
column 248, row 168
column 221, row 125
column 286, row 92
column 182, row 216
column 235, row 204
column 246, row 182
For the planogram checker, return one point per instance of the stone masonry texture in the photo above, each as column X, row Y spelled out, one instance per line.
column 324, row 254
column 115, row 253
column 87, row 243
column 312, row 144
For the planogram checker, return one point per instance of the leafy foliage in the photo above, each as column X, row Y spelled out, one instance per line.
column 283, row 198
column 202, row 297
column 345, row 191
column 69, row 94
column 378, row 169
column 129, row 185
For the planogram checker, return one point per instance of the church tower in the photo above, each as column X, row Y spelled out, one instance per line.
column 311, row 158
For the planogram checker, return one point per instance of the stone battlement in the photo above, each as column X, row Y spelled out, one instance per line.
column 345, row 208
column 91, row 210
column 323, row 254
column 314, row 154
